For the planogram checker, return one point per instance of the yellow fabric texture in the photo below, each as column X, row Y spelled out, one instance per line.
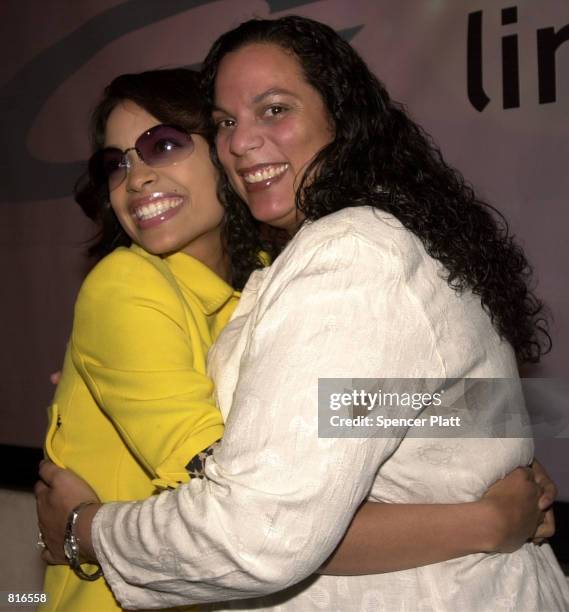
column 135, row 404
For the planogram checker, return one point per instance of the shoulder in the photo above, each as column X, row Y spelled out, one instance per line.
column 126, row 262
column 359, row 249
column 127, row 266
column 355, row 236
column 126, row 272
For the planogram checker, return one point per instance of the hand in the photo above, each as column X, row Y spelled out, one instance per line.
column 55, row 377
column 515, row 510
column 57, row 493
column 549, row 489
column 547, row 528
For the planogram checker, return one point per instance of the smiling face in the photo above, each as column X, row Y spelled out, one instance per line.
column 165, row 209
column 270, row 124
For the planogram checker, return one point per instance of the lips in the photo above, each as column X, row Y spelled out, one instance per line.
column 262, row 176
column 153, row 210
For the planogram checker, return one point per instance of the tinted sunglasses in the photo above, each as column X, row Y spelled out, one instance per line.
column 160, row 146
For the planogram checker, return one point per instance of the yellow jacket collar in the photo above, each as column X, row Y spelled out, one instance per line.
column 211, row 291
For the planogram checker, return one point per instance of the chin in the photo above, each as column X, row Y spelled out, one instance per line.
column 289, row 221
column 272, row 214
column 161, row 248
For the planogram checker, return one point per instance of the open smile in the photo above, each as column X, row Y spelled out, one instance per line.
column 262, row 176
column 262, row 173
column 150, row 211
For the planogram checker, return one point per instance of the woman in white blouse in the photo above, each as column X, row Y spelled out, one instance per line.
column 393, row 270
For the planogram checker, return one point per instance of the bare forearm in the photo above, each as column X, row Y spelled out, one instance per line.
column 392, row 537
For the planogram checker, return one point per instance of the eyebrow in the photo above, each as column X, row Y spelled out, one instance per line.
column 262, row 96
column 271, row 92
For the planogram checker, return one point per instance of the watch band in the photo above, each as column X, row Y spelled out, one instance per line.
column 71, row 545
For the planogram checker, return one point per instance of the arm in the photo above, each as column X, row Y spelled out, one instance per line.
column 393, row 537
column 381, row 538
column 136, row 349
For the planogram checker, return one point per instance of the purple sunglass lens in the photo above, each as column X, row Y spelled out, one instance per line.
column 164, row 145
column 160, row 146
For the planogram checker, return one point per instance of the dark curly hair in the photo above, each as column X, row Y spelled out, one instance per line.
column 173, row 96
column 380, row 157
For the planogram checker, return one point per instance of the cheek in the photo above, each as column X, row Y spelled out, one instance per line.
column 116, row 203
column 287, row 132
column 319, row 131
column 177, row 174
column 297, row 142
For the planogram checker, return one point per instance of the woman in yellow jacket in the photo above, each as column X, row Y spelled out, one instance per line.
column 134, row 403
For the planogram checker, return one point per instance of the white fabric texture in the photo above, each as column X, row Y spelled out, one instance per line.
column 353, row 295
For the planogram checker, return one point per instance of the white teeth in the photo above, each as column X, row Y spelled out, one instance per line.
column 265, row 174
column 149, row 211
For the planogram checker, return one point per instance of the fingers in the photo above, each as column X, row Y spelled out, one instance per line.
column 542, row 495
column 39, row 488
column 546, row 529
column 547, row 497
column 539, row 471
column 548, row 486
column 55, row 377
column 529, row 479
column 47, row 556
column 48, row 471
column 50, row 558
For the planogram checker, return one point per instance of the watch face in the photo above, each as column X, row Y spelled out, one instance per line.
column 68, row 549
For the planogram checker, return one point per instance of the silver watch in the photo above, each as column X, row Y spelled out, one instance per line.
column 71, row 546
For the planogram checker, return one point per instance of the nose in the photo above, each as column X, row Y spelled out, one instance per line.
column 244, row 138
column 138, row 174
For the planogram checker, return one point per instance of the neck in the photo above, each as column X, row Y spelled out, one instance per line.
column 221, row 265
column 210, row 251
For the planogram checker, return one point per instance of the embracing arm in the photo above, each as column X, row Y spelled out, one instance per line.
column 381, row 538
column 393, row 537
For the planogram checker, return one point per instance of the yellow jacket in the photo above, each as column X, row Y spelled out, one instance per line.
column 135, row 404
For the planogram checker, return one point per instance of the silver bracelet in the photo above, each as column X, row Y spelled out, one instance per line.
column 71, row 545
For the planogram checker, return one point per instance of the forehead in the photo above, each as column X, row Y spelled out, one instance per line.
column 256, row 68
column 126, row 123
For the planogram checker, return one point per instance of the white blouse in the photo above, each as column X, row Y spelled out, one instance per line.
column 353, row 295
